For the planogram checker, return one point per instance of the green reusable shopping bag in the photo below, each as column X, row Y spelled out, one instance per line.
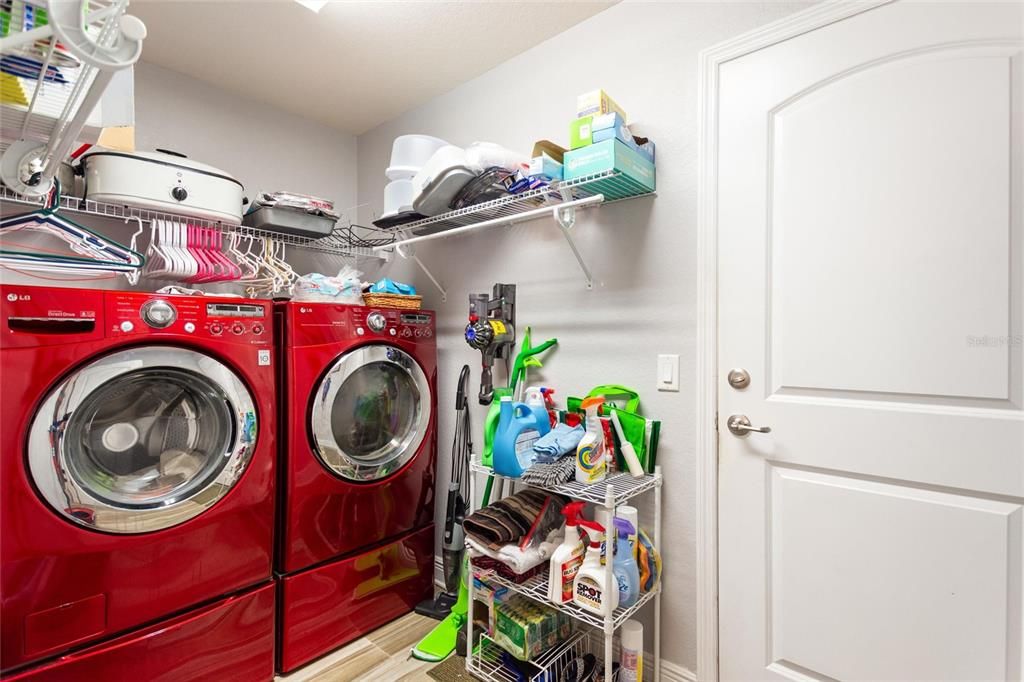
column 643, row 433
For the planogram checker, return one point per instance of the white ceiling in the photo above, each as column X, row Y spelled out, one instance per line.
column 355, row 64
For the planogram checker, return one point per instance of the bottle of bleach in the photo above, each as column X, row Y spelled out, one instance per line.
column 519, row 427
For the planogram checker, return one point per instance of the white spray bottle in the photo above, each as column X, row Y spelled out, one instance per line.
column 566, row 559
column 588, row 588
column 591, row 457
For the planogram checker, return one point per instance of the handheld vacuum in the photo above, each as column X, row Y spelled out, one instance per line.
column 492, row 331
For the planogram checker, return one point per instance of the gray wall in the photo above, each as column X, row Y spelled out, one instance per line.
column 265, row 148
column 642, row 251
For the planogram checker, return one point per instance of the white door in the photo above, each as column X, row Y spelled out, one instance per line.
column 871, row 254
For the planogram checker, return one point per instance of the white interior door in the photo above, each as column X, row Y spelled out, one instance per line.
column 871, row 252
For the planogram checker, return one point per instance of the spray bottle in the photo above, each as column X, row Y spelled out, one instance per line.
column 591, row 458
column 566, row 559
column 627, row 574
column 588, row 588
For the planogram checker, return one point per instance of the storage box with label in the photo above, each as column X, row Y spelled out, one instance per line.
column 610, row 155
column 595, row 103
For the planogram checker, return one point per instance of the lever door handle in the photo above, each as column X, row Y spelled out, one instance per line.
column 739, row 425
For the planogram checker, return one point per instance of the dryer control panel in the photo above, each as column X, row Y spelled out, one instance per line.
column 313, row 323
column 244, row 321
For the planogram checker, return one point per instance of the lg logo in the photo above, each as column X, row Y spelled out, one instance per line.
column 15, row 297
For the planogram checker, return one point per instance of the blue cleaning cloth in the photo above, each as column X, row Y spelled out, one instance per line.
column 559, row 441
column 390, row 286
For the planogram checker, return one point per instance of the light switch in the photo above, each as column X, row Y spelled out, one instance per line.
column 668, row 372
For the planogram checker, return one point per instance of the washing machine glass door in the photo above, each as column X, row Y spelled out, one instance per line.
column 142, row 439
column 370, row 413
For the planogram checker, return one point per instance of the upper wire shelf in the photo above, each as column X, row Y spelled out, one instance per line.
column 624, row 486
column 343, row 240
column 611, row 185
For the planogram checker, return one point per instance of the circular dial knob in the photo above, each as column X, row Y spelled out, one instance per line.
column 179, row 193
column 159, row 314
column 376, row 322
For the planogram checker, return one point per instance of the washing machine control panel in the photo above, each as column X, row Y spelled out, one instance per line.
column 132, row 314
column 416, row 326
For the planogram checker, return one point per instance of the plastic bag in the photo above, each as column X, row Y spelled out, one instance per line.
column 345, row 287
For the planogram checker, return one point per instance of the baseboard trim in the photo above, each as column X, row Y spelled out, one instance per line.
column 673, row 672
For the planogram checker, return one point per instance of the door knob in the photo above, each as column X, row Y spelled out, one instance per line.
column 739, row 425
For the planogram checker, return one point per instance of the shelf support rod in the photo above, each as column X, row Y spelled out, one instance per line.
column 565, row 216
column 493, row 222
column 426, row 271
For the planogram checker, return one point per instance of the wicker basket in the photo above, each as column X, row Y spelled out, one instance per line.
column 393, row 301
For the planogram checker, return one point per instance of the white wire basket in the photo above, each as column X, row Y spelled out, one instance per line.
column 57, row 58
column 490, row 661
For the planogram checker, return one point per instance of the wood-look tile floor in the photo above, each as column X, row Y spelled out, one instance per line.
column 381, row 656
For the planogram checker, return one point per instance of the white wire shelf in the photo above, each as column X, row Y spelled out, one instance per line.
column 624, row 486
column 536, row 588
column 559, row 201
column 486, row 662
column 612, row 185
column 337, row 243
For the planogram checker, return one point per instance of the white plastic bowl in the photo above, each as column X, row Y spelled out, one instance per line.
column 409, row 153
column 398, row 196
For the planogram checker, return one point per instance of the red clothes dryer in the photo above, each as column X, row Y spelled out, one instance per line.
column 359, row 447
column 137, row 457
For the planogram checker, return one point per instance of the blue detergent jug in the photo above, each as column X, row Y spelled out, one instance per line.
column 519, row 427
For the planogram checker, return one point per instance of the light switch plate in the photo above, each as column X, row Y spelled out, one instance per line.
column 668, row 373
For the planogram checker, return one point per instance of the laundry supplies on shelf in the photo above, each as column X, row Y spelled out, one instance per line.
column 519, row 427
column 591, row 456
column 631, row 652
column 566, row 560
column 589, row 586
column 627, row 575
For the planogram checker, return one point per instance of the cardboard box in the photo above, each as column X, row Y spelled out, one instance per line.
column 597, row 102
column 579, row 132
column 545, row 167
column 606, row 156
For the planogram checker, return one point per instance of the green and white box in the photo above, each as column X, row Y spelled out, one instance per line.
column 607, row 156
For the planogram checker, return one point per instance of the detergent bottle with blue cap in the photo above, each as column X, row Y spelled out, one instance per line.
column 519, row 427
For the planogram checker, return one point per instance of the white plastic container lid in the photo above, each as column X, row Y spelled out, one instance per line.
column 409, row 153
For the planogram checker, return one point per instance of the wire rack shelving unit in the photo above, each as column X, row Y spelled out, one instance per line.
column 608, row 495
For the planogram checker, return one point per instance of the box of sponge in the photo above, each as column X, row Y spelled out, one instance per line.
column 610, row 155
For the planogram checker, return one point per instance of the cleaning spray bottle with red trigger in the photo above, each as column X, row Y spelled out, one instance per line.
column 588, row 588
column 567, row 558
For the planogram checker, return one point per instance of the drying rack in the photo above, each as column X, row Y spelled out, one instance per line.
column 79, row 45
column 560, row 200
column 617, row 489
column 340, row 242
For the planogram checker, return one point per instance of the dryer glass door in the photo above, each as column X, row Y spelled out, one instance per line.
column 370, row 413
column 142, row 439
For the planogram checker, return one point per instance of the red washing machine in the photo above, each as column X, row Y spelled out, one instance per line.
column 137, row 457
column 359, row 445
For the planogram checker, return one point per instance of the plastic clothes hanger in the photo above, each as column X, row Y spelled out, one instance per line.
column 133, row 276
column 94, row 251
